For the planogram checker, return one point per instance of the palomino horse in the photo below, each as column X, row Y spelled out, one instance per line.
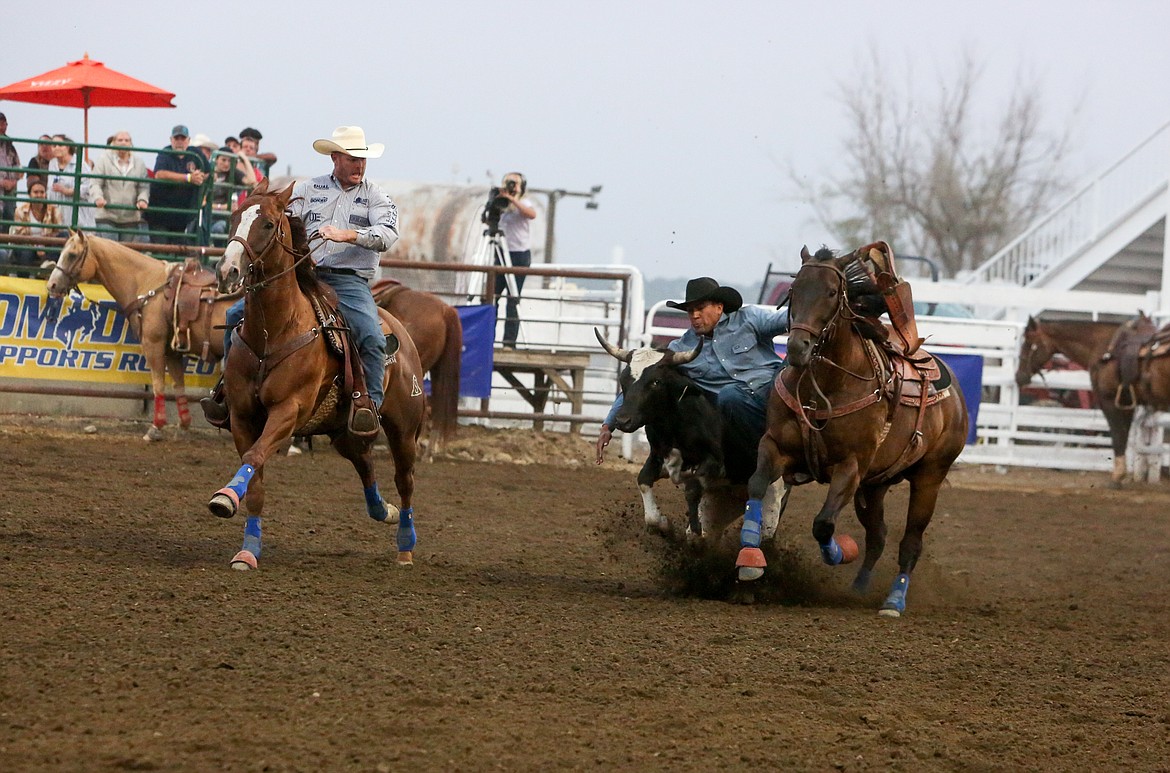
column 1110, row 352
column 438, row 334
column 172, row 308
column 851, row 412
column 281, row 377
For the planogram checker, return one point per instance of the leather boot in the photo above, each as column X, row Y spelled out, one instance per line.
column 363, row 417
column 215, row 408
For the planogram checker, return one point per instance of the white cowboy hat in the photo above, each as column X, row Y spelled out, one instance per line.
column 203, row 141
column 350, row 140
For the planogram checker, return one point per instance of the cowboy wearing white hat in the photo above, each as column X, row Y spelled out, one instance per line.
column 357, row 222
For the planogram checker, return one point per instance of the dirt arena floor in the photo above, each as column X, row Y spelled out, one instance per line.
column 542, row 629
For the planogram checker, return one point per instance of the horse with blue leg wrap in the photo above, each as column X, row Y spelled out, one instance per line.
column 282, row 377
column 859, row 407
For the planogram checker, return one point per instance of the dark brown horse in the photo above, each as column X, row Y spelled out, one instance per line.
column 849, row 412
column 281, row 377
column 172, row 310
column 1109, row 352
column 438, row 334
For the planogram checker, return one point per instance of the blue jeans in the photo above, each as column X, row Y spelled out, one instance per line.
column 127, row 232
column 512, row 308
column 745, row 418
column 361, row 314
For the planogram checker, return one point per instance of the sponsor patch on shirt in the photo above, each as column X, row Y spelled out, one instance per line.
column 361, row 201
column 359, row 221
column 312, row 217
column 321, row 186
column 318, row 199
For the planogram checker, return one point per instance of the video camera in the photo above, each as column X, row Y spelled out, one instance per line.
column 496, row 206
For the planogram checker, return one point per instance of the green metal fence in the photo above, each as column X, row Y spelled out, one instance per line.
column 205, row 220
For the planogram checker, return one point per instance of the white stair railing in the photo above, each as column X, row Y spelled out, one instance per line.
column 1074, row 225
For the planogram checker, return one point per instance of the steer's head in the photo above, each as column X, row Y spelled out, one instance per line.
column 650, row 384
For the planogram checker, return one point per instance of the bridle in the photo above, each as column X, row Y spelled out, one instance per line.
column 842, row 312
column 253, row 280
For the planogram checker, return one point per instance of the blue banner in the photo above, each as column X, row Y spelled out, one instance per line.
column 968, row 370
column 479, row 335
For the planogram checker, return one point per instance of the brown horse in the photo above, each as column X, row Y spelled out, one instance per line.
column 172, row 309
column 281, row 377
column 438, row 334
column 848, row 411
column 1100, row 348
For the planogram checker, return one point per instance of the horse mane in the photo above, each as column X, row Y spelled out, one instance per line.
column 862, row 293
column 306, row 277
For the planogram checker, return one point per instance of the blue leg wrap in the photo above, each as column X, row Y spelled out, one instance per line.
column 861, row 581
column 753, row 521
column 897, row 598
column 831, row 553
column 406, row 537
column 252, row 535
column 239, row 484
column 374, row 504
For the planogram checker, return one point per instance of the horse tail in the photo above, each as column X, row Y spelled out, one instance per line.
column 445, row 376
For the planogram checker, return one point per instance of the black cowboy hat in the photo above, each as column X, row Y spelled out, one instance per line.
column 707, row 289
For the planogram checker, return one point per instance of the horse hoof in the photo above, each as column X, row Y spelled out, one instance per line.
column 749, row 573
column 392, row 513
column 153, row 435
column 223, row 504
column 243, row 561
column 293, row 450
column 890, row 612
column 406, row 559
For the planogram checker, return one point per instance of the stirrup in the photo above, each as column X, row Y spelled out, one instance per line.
column 364, row 422
column 216, row 413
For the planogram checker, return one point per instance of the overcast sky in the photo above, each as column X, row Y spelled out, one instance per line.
column 687, row 113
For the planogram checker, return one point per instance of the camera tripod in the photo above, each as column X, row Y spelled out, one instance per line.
column 491, row 251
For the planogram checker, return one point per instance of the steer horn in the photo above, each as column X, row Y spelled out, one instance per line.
column 682, row 358
column 618, row 354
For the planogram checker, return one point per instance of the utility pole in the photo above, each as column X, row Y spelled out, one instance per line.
column 554, row 196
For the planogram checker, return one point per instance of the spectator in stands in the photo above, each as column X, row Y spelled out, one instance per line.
column 63, row 179
column 40, row 162
column 205, row 144
column 249, row 148
column 233, row 144
column 178, row 177
column 36, row 218
column 119, row 202
column 226, row 189
column 8, row 180
column 266, row 160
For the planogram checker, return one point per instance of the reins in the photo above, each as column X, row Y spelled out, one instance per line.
column 821, row 337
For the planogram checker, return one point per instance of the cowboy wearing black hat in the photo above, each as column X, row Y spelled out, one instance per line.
column 738, row 361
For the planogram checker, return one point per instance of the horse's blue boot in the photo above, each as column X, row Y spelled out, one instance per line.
column 895, row 603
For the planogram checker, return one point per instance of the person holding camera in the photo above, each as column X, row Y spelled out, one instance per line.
column 515, row 222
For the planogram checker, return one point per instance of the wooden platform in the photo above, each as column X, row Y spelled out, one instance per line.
column 555, row 374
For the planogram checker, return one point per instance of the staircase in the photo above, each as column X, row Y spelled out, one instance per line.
column 1108, row 236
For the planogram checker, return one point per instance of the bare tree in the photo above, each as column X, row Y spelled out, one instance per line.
column 924, row 180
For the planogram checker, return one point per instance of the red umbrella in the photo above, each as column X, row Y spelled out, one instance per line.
column 87, row 83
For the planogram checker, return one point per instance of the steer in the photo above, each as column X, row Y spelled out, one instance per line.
column 685, row 432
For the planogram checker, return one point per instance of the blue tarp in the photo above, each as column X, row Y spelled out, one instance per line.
column 479, row 334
